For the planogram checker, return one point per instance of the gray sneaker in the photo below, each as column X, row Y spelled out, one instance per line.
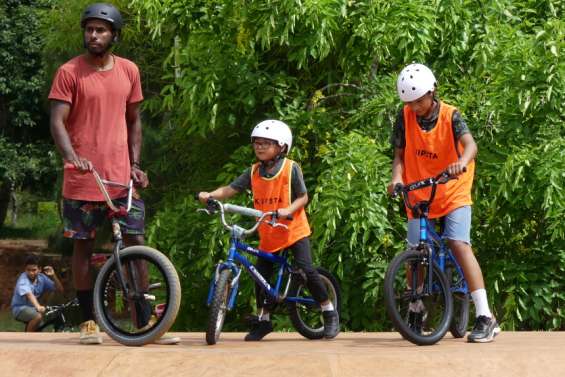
column 484, row 331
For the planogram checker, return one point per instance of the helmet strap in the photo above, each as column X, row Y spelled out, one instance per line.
column 270, row 163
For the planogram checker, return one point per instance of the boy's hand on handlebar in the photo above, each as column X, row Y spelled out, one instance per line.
column 284, row 213
column 456, row 168
column 204, row 196
column 41, row 309
column 392, row 187
column 139, row 177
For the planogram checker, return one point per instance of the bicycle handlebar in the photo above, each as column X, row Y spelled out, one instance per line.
column 102, row 183
column 54, row 308
column 441, row 178
column 214, row 206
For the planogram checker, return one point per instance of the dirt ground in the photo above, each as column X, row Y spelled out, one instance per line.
column 536, row 354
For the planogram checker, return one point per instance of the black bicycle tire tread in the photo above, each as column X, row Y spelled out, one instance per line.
column 223, row 279
column 458, row 331
column 173, row 306
column 297, row 323
column 390, row 302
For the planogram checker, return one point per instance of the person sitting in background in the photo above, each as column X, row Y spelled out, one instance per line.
column 31, row 287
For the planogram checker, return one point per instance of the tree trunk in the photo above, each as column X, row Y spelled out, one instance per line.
column 5, row 191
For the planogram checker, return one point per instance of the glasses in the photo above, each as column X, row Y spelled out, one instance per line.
column 263, row 144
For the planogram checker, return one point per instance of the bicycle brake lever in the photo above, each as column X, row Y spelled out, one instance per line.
column 204, row 210
column 279, row 224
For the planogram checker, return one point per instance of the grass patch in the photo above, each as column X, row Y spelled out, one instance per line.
column 7, row 323
column 31, row 226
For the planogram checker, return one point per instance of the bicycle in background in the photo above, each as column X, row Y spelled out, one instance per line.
column 61, row 318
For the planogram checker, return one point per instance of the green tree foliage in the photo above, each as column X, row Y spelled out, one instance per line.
column 25, row 159
column 328, row 68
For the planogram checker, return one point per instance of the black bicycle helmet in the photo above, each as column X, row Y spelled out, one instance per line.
column 103, row 11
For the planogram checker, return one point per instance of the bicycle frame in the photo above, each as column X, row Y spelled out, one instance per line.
column 235, row 258
column 440, row 253
column 114, row 213
column 430, row 241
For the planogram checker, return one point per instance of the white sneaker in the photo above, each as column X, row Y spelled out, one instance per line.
column 167, row 340
column 90, row 333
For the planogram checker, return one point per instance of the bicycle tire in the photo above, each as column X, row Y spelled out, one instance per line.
column 171, row 294
column 461, row 303
column 307, row 320
column 394, row 299
column 218, row 308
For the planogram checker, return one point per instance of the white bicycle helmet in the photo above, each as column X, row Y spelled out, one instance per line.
column 414, row 81
column 274, row 130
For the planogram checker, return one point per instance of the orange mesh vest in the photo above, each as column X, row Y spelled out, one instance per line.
column 270, row 194
column 429, row 153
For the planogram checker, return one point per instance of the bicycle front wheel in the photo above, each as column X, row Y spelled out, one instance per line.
column 219, row 307
column 419, row 311
column 153, row 302
column 307, row 318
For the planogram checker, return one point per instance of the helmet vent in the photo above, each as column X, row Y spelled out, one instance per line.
column 413, row 88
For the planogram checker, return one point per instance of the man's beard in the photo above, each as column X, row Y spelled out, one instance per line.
column 98, row 52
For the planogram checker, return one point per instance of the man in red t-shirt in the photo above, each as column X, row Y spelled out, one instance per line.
column 95, row 123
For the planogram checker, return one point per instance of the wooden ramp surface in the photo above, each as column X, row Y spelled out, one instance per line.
column 538, row 354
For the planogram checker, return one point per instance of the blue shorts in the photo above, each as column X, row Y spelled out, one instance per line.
column 457, row 226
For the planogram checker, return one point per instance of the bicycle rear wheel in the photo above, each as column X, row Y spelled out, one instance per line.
column 419, row 311
column 307, row 319
column 461, row 302
column 219, row 307
column 154, row 299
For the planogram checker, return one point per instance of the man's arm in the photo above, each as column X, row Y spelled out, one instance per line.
column 133, row 120
column 59, row 114
column 469, row 152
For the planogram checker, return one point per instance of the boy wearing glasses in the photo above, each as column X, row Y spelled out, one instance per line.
column 277, row 184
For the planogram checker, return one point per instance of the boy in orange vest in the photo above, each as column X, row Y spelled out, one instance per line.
column 277, row 184
column 429, row 137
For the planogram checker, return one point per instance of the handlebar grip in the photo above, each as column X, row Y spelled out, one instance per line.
column 396, row 190
column 289, row 217
column 242, row 210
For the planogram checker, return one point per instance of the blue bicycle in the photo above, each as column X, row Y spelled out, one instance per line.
column 305, row 313
column 426, row 293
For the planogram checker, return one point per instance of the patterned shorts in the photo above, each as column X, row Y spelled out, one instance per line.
column 81, row 218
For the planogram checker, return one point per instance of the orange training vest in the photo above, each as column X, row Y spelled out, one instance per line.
column 273, row 193
column 429, row 153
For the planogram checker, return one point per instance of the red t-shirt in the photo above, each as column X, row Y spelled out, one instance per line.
column 97, row 121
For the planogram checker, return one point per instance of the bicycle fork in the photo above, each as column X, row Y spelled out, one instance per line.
column 233, row 284
column 133, row 292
